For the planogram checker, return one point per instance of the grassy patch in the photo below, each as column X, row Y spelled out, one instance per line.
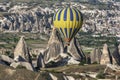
column 76, row 68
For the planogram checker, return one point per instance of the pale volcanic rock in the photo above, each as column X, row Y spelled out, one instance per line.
column 116, row 56
column 54, row 47
column 95, row 55
column 106, row 56
column 22, row 50
column 74, row 50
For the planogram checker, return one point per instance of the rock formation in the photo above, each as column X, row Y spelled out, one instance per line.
column 74, row 50
column 19, row 59
column 53, row 77
column 6, row 59
column 40, row 61
column 55, row 52
column 3, row 63
column 106, row 57
column 22, row 50
column 95, row 55
column 22, row 64
column 54, row 48
column 119, row 48
column 116, row 55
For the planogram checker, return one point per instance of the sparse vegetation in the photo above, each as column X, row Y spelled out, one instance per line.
column 94, row 63
column 88, row 40
column 8, row 53
column 21, row 67
column 101, row 75
column 9, row 41
column 82, row 62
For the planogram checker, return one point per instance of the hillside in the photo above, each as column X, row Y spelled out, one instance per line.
column 23, row 74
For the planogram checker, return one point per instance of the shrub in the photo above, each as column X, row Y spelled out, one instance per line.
column 101, row 75
column 95, row 62
column 21, row 67
column 82, row 62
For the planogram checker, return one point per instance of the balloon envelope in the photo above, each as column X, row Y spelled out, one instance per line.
column 68, row 21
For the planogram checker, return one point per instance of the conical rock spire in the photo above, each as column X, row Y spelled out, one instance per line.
column 22, row 50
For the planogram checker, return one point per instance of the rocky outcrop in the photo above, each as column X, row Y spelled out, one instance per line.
column 55, row 52
column 72, row 61
column 19, row 59
column 27, row 20
column 69, row 78
column 106, row 57
column 26, row 65
column 119, row 48
column 95, row 55
column 116, row 55
column 6, row 59
column 53, row 77
column 22, row 50
column 40, row 61
column 54, row 47
column 2, row 62
column 74, row 50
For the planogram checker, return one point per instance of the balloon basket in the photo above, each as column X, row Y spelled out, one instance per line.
column 67, row 43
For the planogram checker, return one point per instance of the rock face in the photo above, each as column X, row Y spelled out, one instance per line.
column 3, row 63
column 119, row 48
column 74, row 50
column 53, row 77
column 55, row 52
column 72, row 61
column 6, row 59
column 54, row 48
column 69, row 78
column 22, row 50
column 22, row 64
column 19, row 59
column 95, row 55
column 40, row 61
column 116, row 55
column 106, row 57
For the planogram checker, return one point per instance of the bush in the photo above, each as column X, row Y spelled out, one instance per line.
column 34, row 57
column 82, row 62
column 101, row 75
column 51, row 64
column 8, row 53
column 94, row 63
column 21, row 67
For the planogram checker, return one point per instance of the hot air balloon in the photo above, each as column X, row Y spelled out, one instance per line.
column 68, row 22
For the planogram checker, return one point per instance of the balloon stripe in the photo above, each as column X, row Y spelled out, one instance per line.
column 68, row 22
column 73, row 23
column 59, row 14
column 74, row 33
column 65, row 14
column 81, row 16
column 79, row 22
column 54, row 18
column 65, row 29
column 71, row 15
column 77, row 17
column 70, row 32
column 62, row 31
